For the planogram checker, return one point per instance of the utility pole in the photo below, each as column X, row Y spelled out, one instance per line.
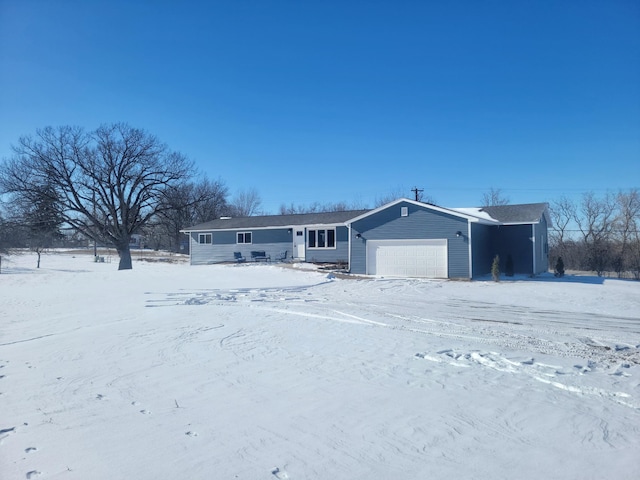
column 417, row 191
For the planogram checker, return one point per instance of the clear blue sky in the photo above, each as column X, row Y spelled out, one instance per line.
column 344, row 100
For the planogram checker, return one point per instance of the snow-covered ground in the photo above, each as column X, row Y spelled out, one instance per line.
column 263, row 372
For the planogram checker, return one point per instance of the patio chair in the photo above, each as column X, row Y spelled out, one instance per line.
column 238, row 257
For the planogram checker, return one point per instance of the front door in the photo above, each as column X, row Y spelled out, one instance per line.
column 298, row 243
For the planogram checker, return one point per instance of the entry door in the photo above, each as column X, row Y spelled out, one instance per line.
column 298, row 243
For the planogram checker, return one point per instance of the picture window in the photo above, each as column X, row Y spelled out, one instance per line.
column 322, row 238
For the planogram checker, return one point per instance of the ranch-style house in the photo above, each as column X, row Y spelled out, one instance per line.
column 403, row 238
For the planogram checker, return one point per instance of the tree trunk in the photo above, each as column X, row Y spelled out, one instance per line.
column 124, row 253
column 178, row 236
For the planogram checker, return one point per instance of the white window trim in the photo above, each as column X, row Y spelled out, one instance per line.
column 326, row 229
column 202, row 236
column 244, row 238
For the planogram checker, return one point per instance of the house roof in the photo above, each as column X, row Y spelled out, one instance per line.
column 270, row 221
column 504, row 214
column 516, row 214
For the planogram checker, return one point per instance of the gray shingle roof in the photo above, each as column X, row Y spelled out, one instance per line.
column 324, row 218
column 525, row 213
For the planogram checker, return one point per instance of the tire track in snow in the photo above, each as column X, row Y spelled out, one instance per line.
column 510, row 327
column 525, row 335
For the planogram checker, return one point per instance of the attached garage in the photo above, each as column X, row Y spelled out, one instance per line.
column 408, row 258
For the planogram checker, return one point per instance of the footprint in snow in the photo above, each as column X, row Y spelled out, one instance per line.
column 191, row 434
column 279, row 474
column 145, row 412
column 30, row 449
column 5, row 432
column 33, row 474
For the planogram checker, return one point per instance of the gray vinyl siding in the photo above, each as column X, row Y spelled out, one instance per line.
column 272, row 241
column 199, row 253
column 340, row 254
column 481, row 238
column 421, row 223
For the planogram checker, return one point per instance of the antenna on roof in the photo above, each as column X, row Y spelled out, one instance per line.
column 417, row 191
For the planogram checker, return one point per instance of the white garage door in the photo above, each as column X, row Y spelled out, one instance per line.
column 407, row 258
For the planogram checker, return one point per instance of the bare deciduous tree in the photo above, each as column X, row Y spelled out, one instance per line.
column 595, row 219
column 563, row 214
column 210, row 200
column 494, row 198
column 109, row 183
column 246, row 203
column 626, row 228
column 8, row 234
column 598, row 233
column 318, row 207
column 187, row 204
column 41, row 220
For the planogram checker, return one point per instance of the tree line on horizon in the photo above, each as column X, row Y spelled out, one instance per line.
column 597, row 233
column 65, row 185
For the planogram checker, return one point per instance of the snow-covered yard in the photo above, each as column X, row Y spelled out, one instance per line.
column 263, row 372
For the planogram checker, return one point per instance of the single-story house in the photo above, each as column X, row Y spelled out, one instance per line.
column 402, row 238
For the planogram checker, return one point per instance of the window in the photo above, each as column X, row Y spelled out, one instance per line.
column 244, row 237
column 404, row 211
column 204, row 238
column 325, row 238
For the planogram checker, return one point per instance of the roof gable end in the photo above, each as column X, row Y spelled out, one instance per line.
column 429, row 206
